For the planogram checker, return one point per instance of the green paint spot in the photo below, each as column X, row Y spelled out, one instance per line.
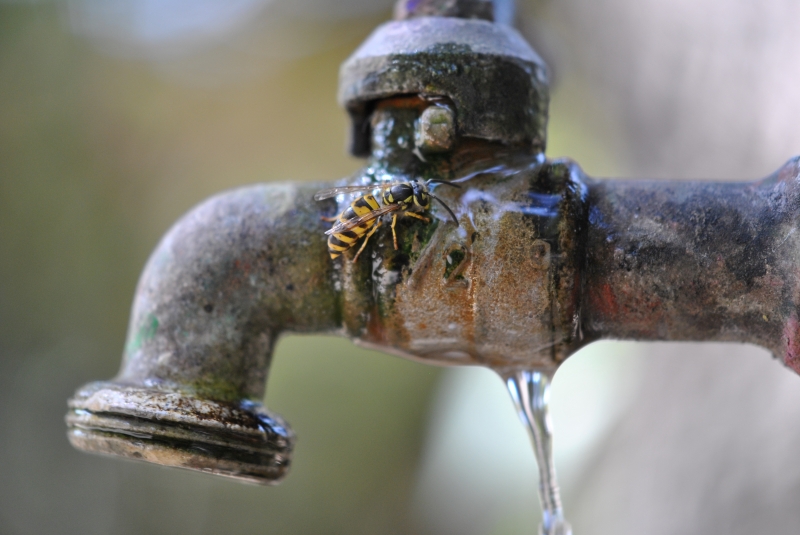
column 147, row 331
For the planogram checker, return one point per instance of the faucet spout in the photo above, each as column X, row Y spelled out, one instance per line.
column 223, row 283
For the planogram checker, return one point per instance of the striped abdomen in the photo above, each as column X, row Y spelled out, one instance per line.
column 339, row 242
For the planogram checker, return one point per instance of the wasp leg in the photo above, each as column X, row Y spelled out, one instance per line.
column 394, row 222
column 413, row 214
column 329, row 219
column 366, row 239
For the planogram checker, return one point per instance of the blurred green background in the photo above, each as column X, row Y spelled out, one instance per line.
column 117, row 116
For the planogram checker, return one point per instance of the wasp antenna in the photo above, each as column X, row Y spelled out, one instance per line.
column 437, row 181
column 449, row 211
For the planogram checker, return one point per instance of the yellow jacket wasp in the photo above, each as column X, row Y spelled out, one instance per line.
column 363, row 217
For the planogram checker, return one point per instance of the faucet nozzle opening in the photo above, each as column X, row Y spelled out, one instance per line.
column 239, row 440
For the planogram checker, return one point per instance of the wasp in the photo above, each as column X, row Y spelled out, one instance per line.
column 363, row 217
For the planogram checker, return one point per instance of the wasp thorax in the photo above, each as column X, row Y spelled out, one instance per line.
column 436, row 129
column 400, row 193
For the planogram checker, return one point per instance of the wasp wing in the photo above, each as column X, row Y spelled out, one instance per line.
column 333, row 192
column 350, row 224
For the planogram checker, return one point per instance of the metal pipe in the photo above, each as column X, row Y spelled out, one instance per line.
column 696, row 261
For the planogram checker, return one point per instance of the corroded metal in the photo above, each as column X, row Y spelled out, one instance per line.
column 454, row 295
column 696, row 261
column 175, row 428
column 543, row 261
column 496, row 81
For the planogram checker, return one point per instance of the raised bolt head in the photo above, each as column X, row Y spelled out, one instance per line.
column 436, row 129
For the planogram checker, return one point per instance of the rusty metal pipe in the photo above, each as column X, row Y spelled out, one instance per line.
column 671, row 260
column 543, row 260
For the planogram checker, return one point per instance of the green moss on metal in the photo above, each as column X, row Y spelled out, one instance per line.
column 454, row 260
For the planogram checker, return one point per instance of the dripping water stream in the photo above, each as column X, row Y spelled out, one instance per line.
column 530, row 391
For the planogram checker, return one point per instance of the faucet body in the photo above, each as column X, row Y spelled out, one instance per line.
column 543, row 261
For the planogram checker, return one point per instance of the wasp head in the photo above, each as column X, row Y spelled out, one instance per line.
column 422, row 198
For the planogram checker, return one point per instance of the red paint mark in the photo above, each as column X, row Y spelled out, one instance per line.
column 654, row 304
column 375, row 329
column 792, row 340
column 605, row 301
column 244, row 267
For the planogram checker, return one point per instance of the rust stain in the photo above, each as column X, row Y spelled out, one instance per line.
column 792, row 343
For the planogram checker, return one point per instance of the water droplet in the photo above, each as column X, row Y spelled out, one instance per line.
column 530, row 391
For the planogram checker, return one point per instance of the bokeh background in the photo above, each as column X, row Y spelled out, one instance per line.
column 117, row 116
